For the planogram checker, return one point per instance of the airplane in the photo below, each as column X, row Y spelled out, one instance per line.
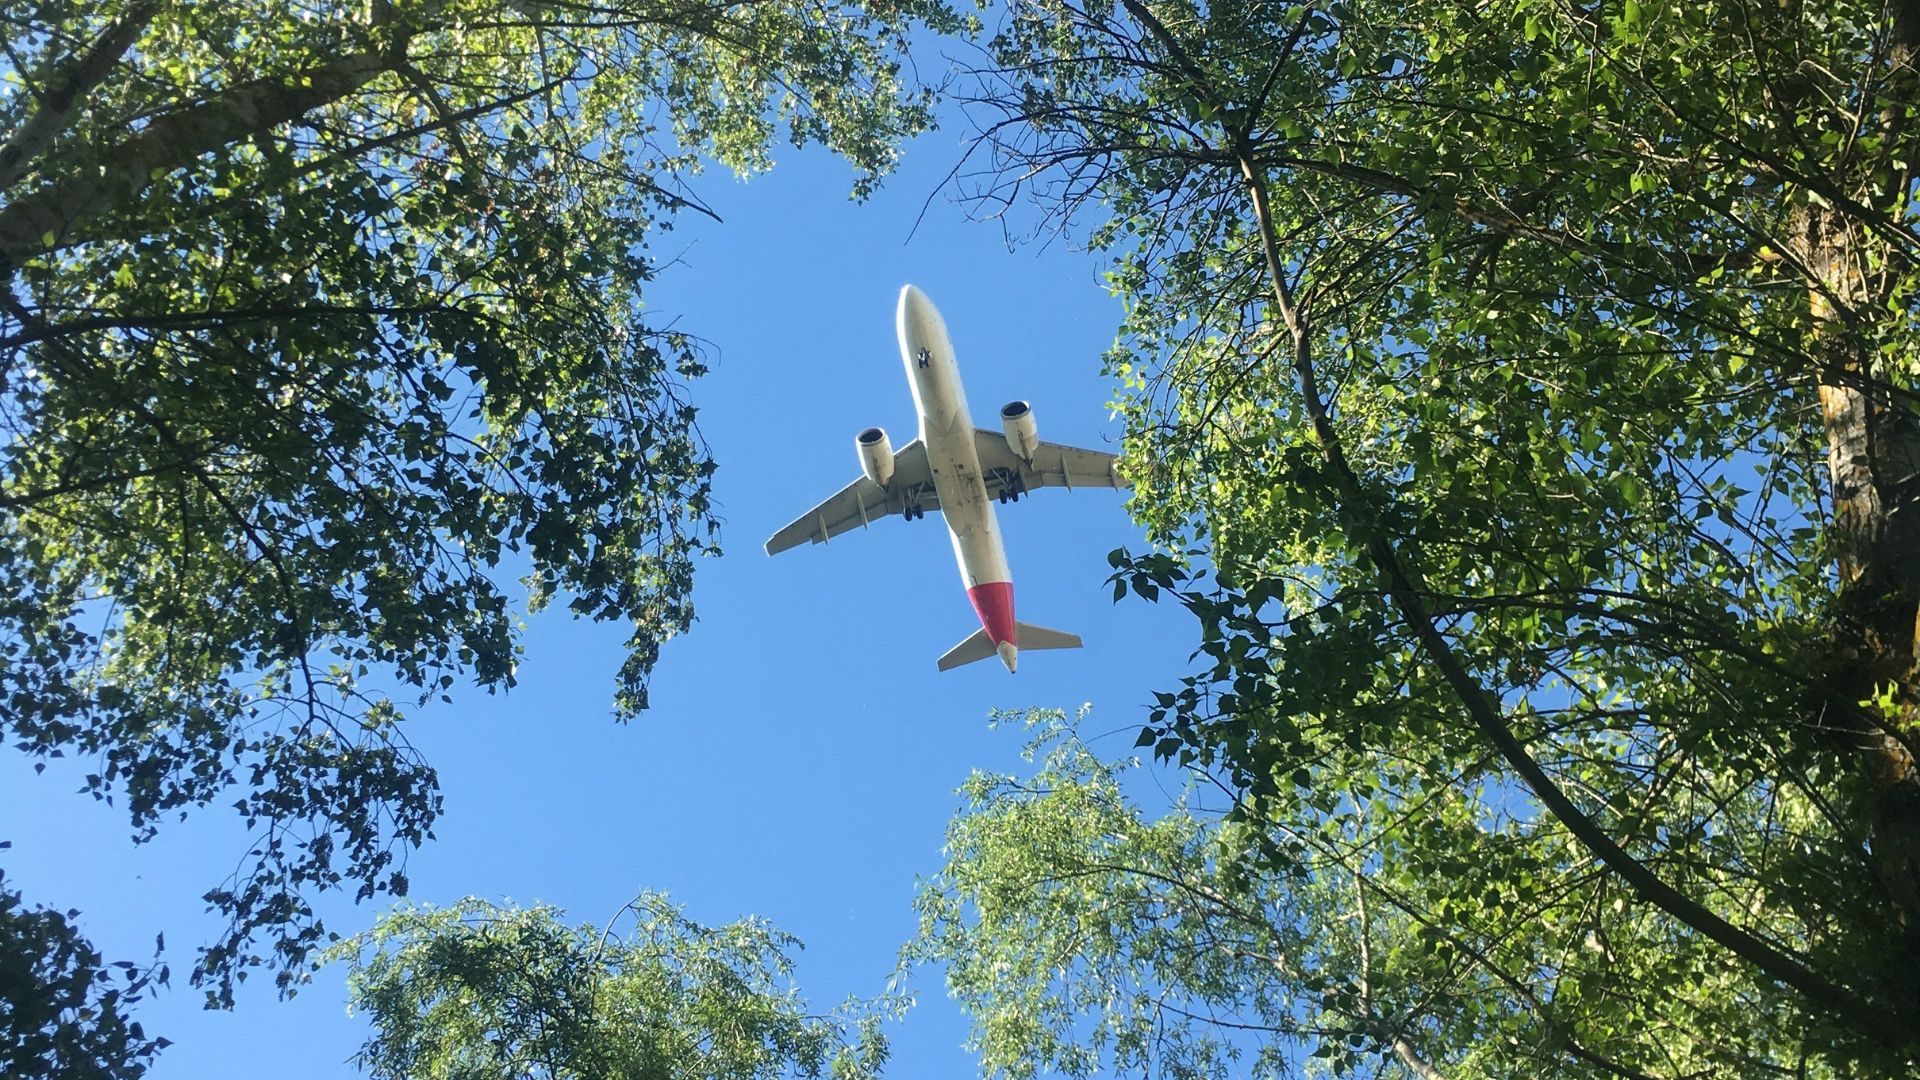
column 956, row 468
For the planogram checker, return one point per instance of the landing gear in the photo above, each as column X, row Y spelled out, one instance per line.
column 1011, row 486
column 911, row 497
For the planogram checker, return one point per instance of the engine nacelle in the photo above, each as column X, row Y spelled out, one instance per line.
column 876, row 455
column 1016, row 419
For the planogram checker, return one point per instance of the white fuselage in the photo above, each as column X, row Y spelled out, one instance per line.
column 947, row 429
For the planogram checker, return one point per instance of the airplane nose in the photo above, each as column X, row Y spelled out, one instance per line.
column 917, row 315
column 1009, row 655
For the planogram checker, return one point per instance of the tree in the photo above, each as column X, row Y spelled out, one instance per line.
column 1085, row 937
column 318, row 320
column 62, row 1009
column 481, row 991
column 1538, row 382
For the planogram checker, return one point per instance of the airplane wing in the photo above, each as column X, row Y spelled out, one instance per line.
column 863, row 501
column 1053, row 465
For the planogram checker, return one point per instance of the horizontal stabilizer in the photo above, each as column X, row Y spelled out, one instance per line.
column 1030, row 636
column 977, row 647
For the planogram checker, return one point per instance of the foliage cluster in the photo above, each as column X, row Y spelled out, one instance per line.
column 1082, row 931
column 63, row 1010
column 480, row 991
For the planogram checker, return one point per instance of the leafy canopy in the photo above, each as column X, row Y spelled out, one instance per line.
column 319, row 321
column 1523, row 395
column 480, row 991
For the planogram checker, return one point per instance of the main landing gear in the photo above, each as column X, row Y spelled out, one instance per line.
column 911, row 497
column 1011, row 486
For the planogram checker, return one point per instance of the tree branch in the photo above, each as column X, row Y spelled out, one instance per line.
column 41, row 330
column 51, row 114
column 1403, row 1047
column 62, row 214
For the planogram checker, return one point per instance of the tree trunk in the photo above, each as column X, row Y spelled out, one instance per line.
column 1873, row 458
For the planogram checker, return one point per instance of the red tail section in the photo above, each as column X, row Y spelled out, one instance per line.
column 993, row 602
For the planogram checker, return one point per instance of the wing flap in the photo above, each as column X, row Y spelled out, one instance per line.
column 1053, row 465
column 863, row 502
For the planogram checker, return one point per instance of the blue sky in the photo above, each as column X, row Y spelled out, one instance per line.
column 801, row 753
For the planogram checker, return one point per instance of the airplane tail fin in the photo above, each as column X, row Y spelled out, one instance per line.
column 978, row 646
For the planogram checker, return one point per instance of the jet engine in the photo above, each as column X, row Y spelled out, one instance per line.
column 876, row 455
column 1016, row 419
